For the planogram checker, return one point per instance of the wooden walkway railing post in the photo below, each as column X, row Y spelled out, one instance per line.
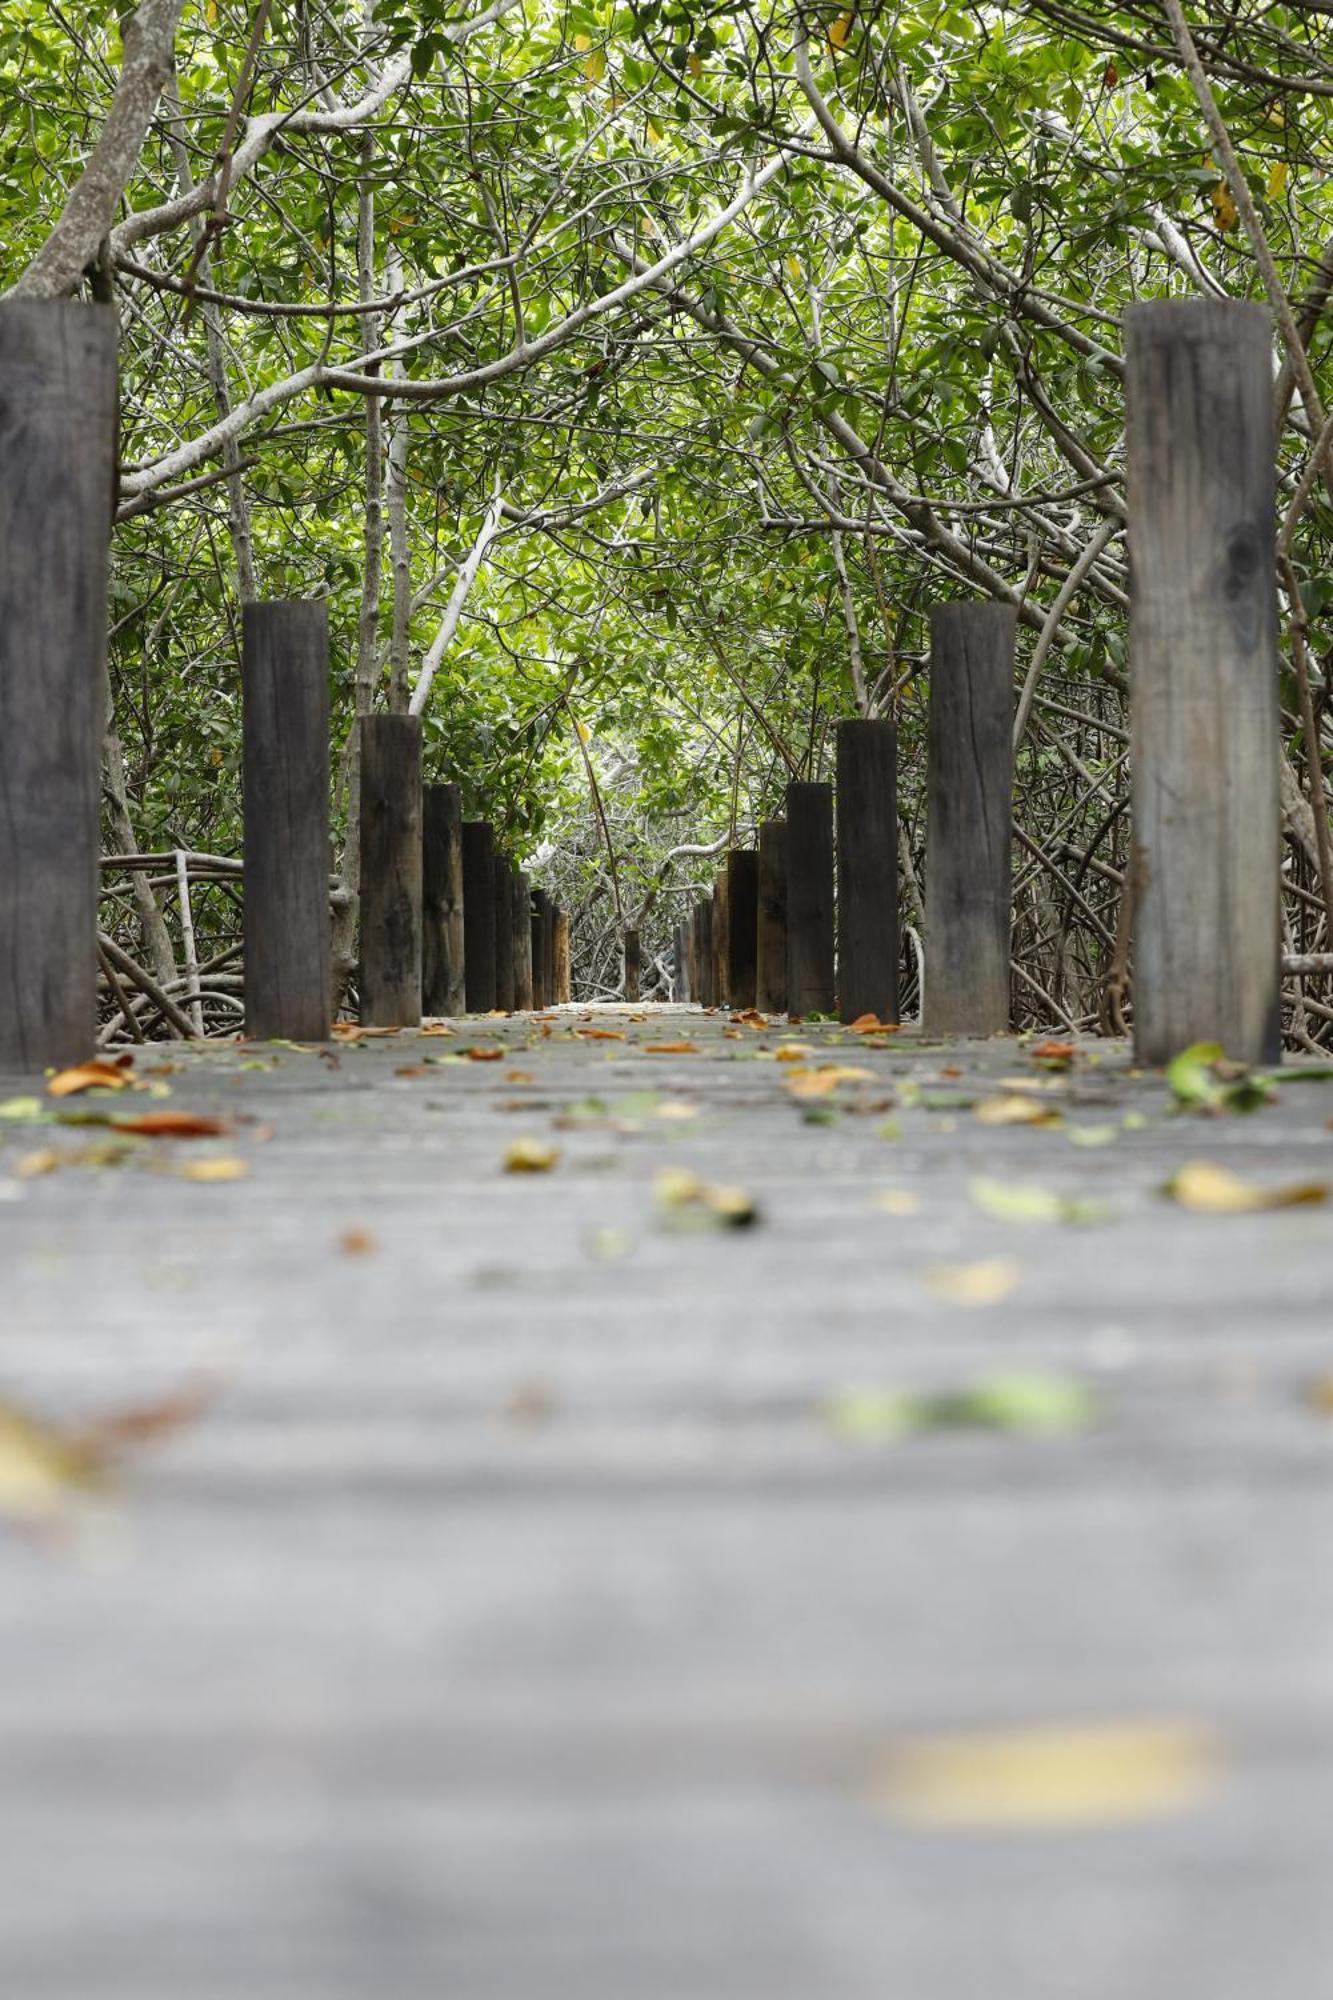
column 390, row 871
column 541, row 998
column 550, row 909
column 721, row 942
column 969, row 786
column 285, row 745
column 1203, row 654
column 479, row 915
column 633, row 965
column 681, row 960
column 57, row 483
column 520, row 913
column 742, row 925
column 564, row 971
column 704, row 950
column 867, row 798
column 810, row 968
column 443, row 984
column 771, row 922
column 504, row 933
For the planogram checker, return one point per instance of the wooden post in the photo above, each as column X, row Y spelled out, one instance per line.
column 479, row 915
column 57, row 484
column 867, row 800
column 810, row 988
column 633, row 965
column 742, row 925
column 721, row 941
column 390, row 871
column 549, row 908
column 504, row 933
column 707, row 968
column 520, row 912
column 444, row 990
column 969, row 788
column 541, row 999
column 771, row 943
column 1203, row 660
column 682, row 961
column 564, row 981
column 285, row 741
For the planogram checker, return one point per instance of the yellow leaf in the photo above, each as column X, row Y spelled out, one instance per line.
column 595, row 67
column 1050, row 1775
column 221, row 1167
column 1015, row 1110
column 797, row 276
column 841, row 32
column 40, row 1468
column 1277, row 179
column 983, row 1283
column 654, row 132
column 89, row 1076
column 684, row 1194
column 44, row 1161
column 695, row 64
column 793, row 1052
column 1212, row 1190
column 896, row 1201
column 582, row 42
column 530, row 1156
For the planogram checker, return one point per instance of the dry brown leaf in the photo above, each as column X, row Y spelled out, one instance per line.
column 530, row 1156
column 600, row 1034
column 670, row 1049
column 1015, row 1110
column 793, row 1052
column 90, row 1076
column 870, row 1024
column 352, row 1031
column 1056, row 1055
column 44, row 1161
column 171, row 1125
column 484, row 1055
column 221, row 1167
column 356, row 1241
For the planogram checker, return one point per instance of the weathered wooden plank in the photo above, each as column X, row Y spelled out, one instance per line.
column 969, row 785
column 57, row 487
column 810, row 967
column 633, row 965
column 1203, row 647
column 867, row 816
column 771, row 940
column 479, row 915
column 504, row 933
column 390, row 972
column 520, row 912
column 742, row 925
column 285, row 785
column 564, row 971
column 444, row 987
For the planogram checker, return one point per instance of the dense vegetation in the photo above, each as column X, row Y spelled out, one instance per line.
column 631, row 379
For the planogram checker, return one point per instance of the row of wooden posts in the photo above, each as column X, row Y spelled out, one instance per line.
column 1205, row 749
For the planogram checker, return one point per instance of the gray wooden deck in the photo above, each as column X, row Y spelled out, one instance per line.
column 517, row 1624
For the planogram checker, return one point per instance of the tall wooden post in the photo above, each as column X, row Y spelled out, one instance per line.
column 682, row 961
column 867, row 802
column 564, row 972
column 443, row 983
column 550, row 910
column 742, row 925
column 390, row 871
column 57, row 488
column 707, row 965
column 520, row 911
column 285, row 743
column 771, row 943
column 541, row 999
column 1203, row 655
column 721, row 940
column 479, row 915
column 504, row 934
column 633, row 965
column 810, row 977
column 969, row 789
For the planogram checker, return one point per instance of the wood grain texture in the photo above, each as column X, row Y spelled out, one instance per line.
column 867, row 815
column 707, row 993
column 564, row 971
column 444, row 984
column 479, row 915
column 543, row 949
column 810, row 965
column 742, row 925
column 520, row 913
column 969, row 787
column 550, row 911
column 285, row 728
column 390, row 871
column 633, row 965
column 57, row 481
column 771, row 922
column 681, row 960
column 1203, row 656
column 721, row 941
column 504, row 933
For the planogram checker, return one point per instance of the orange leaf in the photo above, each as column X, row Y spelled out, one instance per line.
column 90, row 1076
column 601, row 1034
column 1058, row 1054
column 670, row 1049
column 172, row 1125
column 484, row 1055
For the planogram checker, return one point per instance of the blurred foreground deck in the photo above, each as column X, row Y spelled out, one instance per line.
column 515, row 1624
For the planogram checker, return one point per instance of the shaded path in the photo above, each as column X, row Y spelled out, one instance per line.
column 518, row 1621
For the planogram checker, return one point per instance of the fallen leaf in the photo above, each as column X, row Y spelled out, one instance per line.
column 170, row 1125
column 670, row 1048
column 1092, row 1135
column 896, row 1201
column 90, row 1076
column 519, row 1076
column 352, row 1031
column 44, row 1467
column 483, row 1055
column 23, row 1109
column 870, row 1024
column 600, row 1034
column 1017, row 1201
column 1054, row 1054
column 1209, row 1189
column 684, row 1195
column 1015, row 1110
column 983, row 1283
column 220, row 1167
column 529, row 1156
column 1201, row 1078
column 793, row 1052
column 356, row 1241
column 1050, row 1774
column 44, row 1161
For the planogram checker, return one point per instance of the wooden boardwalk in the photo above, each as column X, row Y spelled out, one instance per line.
column 546, row 1608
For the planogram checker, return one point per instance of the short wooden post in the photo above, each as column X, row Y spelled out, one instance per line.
column 707, row 968
column 57, row 481
column 504, row 934
column 810, row 976
column 1203, row 658
column 722, row 940
column 285, row 772
column 969, row 788
column 520, row 913
column 742, row 925
column 633, row 965
column 771, row 942
column 541, row 999
column 549, row 912
column 390, row 871
column 564, row 971
column 867, row 812
column 479, row 915
column 443, row 983
column 682, row 961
